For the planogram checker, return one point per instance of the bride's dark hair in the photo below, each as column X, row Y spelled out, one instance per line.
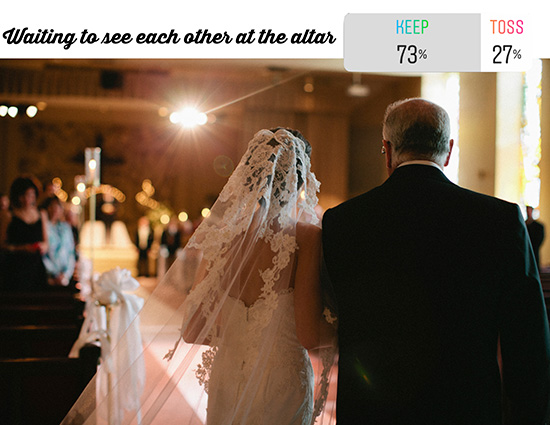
column 307, row 150
column 297, row 134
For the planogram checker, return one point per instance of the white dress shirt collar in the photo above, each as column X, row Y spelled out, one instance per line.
column 420, row 162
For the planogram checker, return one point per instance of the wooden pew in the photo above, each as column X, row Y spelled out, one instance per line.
column 38, row 382
column 40, row 391
column 40, row 315
column 37, row 341
column 52, row 296
column 52, row 307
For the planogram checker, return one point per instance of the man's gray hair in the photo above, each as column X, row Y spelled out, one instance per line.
column 418, row 127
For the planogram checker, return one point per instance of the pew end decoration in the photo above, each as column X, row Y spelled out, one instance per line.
column 111, row 317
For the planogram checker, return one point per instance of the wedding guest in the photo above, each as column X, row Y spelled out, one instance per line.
column 107, row 208
column 144, row 241
column 48, row 190
column 5, row 218
column 4, row 202
column 72, row 219
column 187, row 229
column 59, row 260
column 171, row 241
column 536, row 233
column 26, row 239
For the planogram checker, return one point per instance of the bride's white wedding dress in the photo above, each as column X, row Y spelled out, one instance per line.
column 231, row 289
column 283, row 389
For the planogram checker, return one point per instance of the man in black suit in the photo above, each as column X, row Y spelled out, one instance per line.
column 536, row 233
column 144, row 242
column 430, row 279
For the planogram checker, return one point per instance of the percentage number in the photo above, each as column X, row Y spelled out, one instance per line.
column 505, row 50
column 411, row 53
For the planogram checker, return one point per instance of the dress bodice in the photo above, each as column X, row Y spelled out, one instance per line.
column 24, row 270
column 243, row 323
column 259, row 349
column 20, row 233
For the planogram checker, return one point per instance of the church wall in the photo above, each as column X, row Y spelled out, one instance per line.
column 367, row 165
column 138, row 144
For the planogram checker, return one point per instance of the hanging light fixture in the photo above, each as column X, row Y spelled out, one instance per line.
column 309, row 86
column 7, row 109
column 356, row 89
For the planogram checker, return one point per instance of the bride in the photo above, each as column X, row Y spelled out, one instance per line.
column 242, row 306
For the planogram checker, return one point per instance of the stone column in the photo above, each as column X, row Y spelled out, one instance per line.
column 477, row 131
column 545, row 162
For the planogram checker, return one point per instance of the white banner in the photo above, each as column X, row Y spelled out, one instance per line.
column 218, row 29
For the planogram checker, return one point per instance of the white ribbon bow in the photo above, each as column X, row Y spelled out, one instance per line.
column 109, row 292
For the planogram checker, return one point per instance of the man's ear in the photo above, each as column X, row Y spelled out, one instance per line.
column 388, row 152
column 451, row 144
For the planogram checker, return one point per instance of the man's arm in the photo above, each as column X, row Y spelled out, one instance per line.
column 524, row 333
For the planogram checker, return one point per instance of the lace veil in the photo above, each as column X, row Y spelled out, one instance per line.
column 230, row 286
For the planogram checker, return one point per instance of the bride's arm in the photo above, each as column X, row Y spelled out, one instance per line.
column 312, row 329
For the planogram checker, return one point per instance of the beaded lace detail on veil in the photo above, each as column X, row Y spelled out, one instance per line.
column 269, row 192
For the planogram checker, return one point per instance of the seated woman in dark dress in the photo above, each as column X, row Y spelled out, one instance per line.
column 26, row 239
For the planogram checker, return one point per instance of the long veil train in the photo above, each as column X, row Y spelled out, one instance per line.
column 228, row 292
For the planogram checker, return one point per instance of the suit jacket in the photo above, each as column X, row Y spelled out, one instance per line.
column 144, row 251
column 536, row 235
column 427, row 277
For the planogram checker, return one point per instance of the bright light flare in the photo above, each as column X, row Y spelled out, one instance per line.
column 13, row 111
column 183, row 216
column 32, row 111
column 188, row 118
